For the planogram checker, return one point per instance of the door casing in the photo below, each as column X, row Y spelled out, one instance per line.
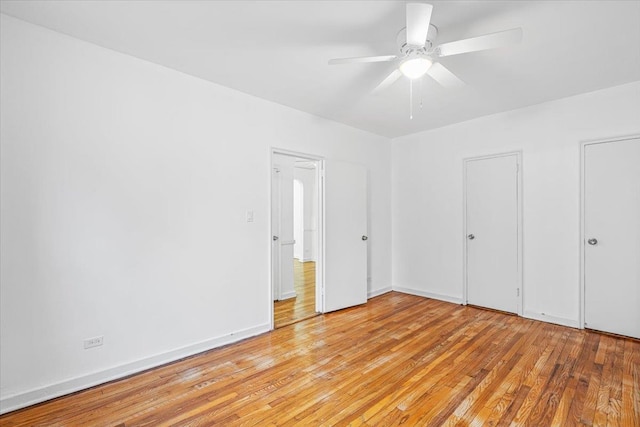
column 518, row 154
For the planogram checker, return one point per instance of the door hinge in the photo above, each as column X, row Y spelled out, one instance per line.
column 517, row 167
column 517, row 292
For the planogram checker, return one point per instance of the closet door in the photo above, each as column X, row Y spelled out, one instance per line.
column 612, row 236
column 492, row 240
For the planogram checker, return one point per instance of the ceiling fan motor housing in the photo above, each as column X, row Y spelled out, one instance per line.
column 405, row 49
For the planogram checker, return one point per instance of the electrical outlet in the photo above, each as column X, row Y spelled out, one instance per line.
column 93, row 342
column 250, row 216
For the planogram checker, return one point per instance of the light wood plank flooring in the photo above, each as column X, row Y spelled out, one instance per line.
column 303, row 306
column 399, row 359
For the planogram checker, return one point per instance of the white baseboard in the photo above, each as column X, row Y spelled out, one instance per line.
column 425, row 294
column 21, row 400
column 527, row 314
column 287, row 295
column 377, row 292
column 551, row 319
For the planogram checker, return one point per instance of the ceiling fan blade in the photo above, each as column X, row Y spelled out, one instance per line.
column 362, row 59
column 418, row 19
column 474, row 44
column 388, row 81
column 442, row 75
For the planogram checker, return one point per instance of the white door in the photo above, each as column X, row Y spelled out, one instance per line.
column 282, row 227
column 345, row 235
column 612, row 237
column 298, row 220
column 492, row 240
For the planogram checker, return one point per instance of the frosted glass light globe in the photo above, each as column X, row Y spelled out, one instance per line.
column 415, row 68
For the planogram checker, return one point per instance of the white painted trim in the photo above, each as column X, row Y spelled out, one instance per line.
column 272, row 281
column 51, row 391
column 287, row 295
column 520, row 197
column 320, row 237
column 572, row 323
column 378, row 292
column 527, row 314
column 291, row 153
column 319, row 160
column 581, row 289
column 446, row 298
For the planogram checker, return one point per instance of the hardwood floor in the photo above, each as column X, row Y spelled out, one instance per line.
column 303, row 306
column 399, row 359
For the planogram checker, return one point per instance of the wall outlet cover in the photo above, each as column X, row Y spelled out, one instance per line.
column 93, row 342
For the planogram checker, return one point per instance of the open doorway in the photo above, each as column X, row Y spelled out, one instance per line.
column 296, row 237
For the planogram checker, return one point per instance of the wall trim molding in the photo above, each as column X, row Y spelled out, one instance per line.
column 378, row 292
column 446, row 298
column 287, row 295
column 42, row 394
column 572, row 323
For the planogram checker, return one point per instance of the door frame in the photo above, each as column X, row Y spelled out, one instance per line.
column 583, row 146
column 276, row 283
column 519, row 196
column 319, row 160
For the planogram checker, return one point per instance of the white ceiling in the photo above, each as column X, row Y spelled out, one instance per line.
column 278, row 50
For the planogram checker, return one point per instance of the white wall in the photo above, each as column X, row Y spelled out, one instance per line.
column 124, row 189
column 427, row 195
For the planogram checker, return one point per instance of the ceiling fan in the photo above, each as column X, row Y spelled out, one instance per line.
column 419, row 55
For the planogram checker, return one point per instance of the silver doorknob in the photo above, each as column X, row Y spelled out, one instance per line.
column 365, row 238
column 275, row 238
column 592, row 241
column 471, row 237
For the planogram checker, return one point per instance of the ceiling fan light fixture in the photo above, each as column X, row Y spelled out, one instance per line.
column 415, row 67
